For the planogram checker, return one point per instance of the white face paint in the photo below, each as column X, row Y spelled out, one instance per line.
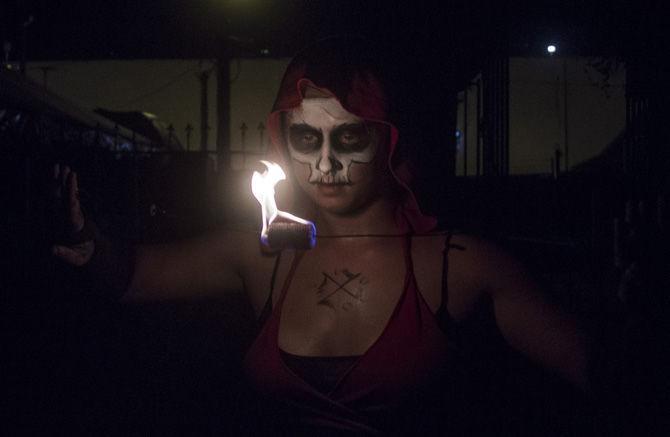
column 322, row 134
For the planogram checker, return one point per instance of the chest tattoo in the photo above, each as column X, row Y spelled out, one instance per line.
column 341, row 289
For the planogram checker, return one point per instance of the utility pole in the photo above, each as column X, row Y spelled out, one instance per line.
column 24, row 44
column 45, row 76
column 7, row 49
column 223, row 107
column 204, row 111
column 565, row 114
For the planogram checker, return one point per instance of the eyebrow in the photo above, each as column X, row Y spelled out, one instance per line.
column 345, row 126
column 303, row 127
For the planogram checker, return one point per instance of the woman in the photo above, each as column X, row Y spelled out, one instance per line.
column 356, row 334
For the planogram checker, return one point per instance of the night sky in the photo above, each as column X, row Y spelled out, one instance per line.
column 98, row 29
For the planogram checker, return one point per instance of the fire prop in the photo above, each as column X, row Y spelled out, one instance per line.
column 280, row 229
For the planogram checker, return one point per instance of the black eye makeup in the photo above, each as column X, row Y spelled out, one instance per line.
column 350, row 138
column 304, row 138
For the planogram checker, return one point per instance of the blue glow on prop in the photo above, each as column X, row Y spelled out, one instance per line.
column 263, row 188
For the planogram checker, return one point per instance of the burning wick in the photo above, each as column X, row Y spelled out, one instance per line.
column 291, row 231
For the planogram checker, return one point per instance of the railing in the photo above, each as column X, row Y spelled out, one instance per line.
column 245, row 152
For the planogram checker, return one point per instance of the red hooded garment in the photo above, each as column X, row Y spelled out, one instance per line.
column 347, row 69
column 382, row 391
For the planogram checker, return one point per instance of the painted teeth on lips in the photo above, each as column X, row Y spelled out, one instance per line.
column 331, row 180
column 333, row 184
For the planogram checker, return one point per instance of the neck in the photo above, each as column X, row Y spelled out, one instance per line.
column 376, row 218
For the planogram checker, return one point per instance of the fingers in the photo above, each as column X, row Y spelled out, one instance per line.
column 76, row 255
column 56, row 181
column 66, row 186
column 65, row 172
column 60, row 178
column 72, row 189
column 76, row 216
column 67, row 189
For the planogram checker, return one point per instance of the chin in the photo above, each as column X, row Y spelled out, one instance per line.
column 335, row 206
column 345, row 205
column 338, row 209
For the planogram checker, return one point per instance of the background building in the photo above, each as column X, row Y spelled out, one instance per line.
column 542, row 91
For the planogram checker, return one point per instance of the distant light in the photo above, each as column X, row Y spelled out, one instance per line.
column 265, row 52
column 551, row 48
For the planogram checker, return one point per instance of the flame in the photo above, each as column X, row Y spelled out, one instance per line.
column 263, row 188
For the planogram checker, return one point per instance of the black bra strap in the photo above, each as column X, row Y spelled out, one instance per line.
column 274, row 275
column 267, row 308
column 407, row 249
column 445, row 273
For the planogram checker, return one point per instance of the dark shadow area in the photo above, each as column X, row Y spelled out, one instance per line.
column 597, row 238
column 79, row 363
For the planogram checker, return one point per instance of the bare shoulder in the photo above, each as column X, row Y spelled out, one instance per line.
column 466, row 246
column 475, row 268
column 527, row 319
column 462, row 260
column 484, row 263
column 428, row 260
column 474, row 246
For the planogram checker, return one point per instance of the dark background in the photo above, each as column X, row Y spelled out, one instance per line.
column 79, row 364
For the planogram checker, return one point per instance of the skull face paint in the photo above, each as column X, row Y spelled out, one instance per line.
column 323, row 135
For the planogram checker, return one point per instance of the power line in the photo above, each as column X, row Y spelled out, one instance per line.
column 162, row 87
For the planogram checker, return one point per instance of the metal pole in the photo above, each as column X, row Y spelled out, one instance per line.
column 137, row 232
column 494, row 109
column 24, row 44
column 223, row 109
column 565, row 114
column 189, row 130
column 204, row 111
column 479, row 126
column 506, row 116
column 28, row 215
column 45, row 76
column 464, row 134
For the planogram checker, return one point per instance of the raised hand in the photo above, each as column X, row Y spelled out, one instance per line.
column 78, row 245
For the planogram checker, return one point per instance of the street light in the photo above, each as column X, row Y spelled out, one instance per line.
column 551, row 49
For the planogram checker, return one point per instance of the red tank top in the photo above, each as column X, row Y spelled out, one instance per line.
column 386, row 384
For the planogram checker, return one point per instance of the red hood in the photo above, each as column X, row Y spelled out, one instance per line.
column 347, row 69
